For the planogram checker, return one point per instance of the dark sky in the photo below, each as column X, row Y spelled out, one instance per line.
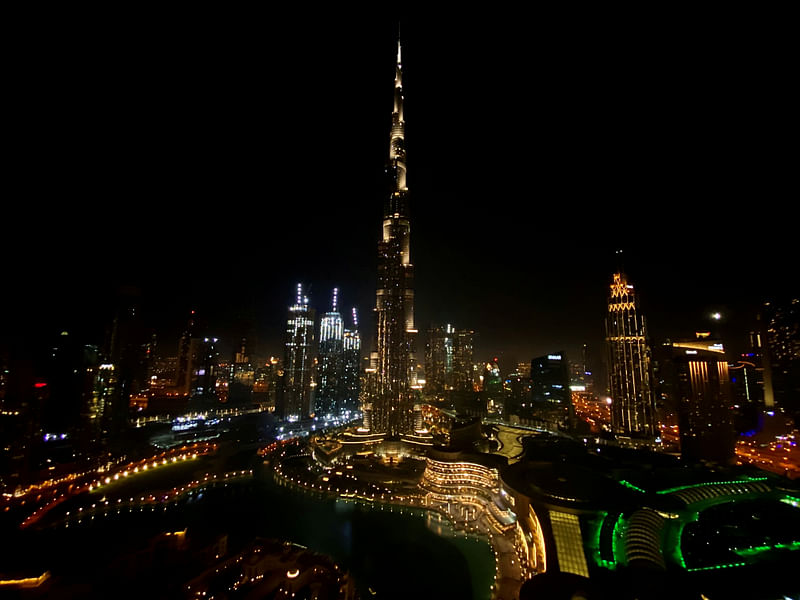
column 213, row 160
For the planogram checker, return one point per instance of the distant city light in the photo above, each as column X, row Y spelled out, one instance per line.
column 716, row 316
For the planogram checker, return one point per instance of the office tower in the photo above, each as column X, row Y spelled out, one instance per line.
column 203, row 367
column 517, row 387
column 580, row 373
column 491, row 381
column 241, row 375
column 629, row 374
column 129, row 351
column 551, row 399
column 448, row 360
column 182, row 377
column 782, row 369
column 439, row 360
column 331, row 359
column 463, row 349
column 268, row 384
column 299, row 350
column 351, row 374
column 390, row 397
column 524, row 369
column 701, row 385
column 550, row 379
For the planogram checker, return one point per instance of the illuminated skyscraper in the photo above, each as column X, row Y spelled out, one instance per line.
column 331, row 359
column 629, row 374
column 298, row 362
column 389, row 400
column 351, row 374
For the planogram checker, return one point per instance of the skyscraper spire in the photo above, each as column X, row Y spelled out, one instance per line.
column 399, row 53
column 397, row 150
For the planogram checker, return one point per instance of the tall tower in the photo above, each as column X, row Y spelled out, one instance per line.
column 629, row 374
column 389, row 401
column 702, row 383
column 331, row 359
column 299, row 356
column 351, row 374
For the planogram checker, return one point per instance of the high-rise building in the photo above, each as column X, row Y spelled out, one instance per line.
column 297, row 400
column 517, row 388
column 203, row 367
column 551, row 398
column 782, row 370
column 629, row 371
column 580, row 373
column 351, row 372
column 182, row 375
column 241, row 374
column 703, row 395
column 550, row 379
column 448, row 360
column 331, row 359
column 129, row 350
column 389, row 401
column 463, row 350
column 439, row 360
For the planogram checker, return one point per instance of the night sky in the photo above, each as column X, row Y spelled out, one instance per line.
column 212, row 161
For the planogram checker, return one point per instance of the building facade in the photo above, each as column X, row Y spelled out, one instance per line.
column 629, row 370
column 299, row 348
column 703, row 395
column 331, row 359
column 351, row 372
column 551, row 398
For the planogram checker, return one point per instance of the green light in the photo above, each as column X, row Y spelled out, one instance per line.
column 598, row 551
column 619, row 531
column 696, row 485
column 791, row 501
column 728, row 566
column 678, row 551
column 761, row 549
column 628, row 484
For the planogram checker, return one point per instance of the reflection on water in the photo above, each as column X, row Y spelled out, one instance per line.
column 398, row 552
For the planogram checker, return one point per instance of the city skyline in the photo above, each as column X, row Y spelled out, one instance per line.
column 527, row 266
column 196, row 399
